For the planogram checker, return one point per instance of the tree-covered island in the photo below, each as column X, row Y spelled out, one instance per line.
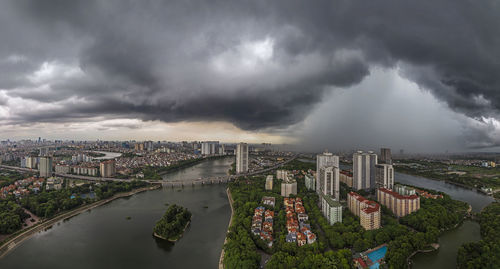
column 173, row 223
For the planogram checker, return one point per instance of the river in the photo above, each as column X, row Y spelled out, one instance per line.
column 107, row 155
column 104, row 238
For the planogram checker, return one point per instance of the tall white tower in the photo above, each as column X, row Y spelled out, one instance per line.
column 363, row 170
column 241, row 158
column 325, row 159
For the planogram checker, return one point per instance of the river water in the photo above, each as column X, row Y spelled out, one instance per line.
column 104, row 238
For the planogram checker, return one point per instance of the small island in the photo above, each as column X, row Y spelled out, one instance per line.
column 173, row 223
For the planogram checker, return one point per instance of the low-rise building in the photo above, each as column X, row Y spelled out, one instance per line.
column 346, row 177
column 400, row 205
column 367, row 211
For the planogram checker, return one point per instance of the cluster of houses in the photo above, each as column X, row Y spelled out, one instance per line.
column 22, row 187
column 298, row 230
column 262, row 221
column 262, row 224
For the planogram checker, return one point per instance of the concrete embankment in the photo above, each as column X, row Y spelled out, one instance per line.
column 221, row 260
column 26, row 234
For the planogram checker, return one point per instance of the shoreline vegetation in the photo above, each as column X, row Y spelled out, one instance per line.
column 221, row 259
column 172, row 224
column 473, row 178
column 19, row 237
column 484, row 253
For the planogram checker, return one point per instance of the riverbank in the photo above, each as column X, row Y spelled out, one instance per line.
column 435, row 246
column 444, row 180
column 221, row 260
column 23, row 235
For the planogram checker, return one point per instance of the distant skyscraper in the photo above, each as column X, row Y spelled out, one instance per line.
column 384, row 176
column 324, row 160
column 363, row 170
column 385, row 156
column 45, row 167
column 241, row 158
column 329, row 181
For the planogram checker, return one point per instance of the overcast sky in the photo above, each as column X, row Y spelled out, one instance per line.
column 416, row 75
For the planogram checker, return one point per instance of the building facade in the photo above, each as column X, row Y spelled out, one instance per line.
column 288, row 187
column 329, row 181
column 242, row 158
column 107, row 168
column 310, row 182
column 282, row 174
column 384, row 176
column 323, row 160
column 363, row 171
column 269, row 183
column 368, row 211
column 346, row 178
column 331, row 209
column 400, row 205
column 385, row 156
column 209, row 147
column 45, row 167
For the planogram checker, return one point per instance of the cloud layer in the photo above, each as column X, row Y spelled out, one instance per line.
column 256, row 64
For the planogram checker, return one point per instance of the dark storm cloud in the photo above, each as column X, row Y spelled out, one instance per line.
column 158, row 60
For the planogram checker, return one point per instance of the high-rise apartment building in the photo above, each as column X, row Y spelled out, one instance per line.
column 107, row 168
column 269, row 183
column 329, row 181
column 288, row 186
column 310, row 182
column 363, row 170
column 282, row 174
column 331, row 209
column 368, row 211
column 384, row 176
column 45, row 167
column 324, row 160
column 385, row 156
column 241, row 158
column 210, row 147
column 400, row 205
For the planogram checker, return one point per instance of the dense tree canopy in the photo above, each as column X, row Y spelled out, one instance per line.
column 486, row 252
column 172, row 224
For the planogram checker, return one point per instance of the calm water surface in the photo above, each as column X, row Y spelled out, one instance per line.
column 103, row 238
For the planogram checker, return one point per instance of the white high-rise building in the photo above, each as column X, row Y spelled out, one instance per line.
column 241, row 158
column 209, row 147
column 363, row 170
column 45, row 167
column 325, row 159
column 329, row 179
column 384, row 176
